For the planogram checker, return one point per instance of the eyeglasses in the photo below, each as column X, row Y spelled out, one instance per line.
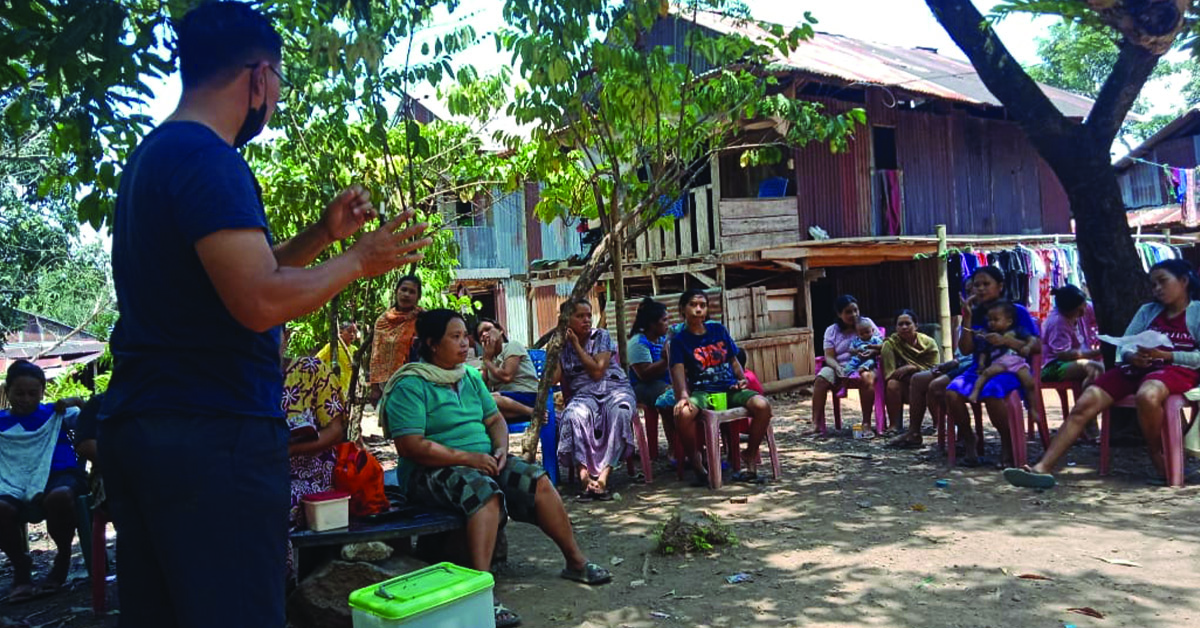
column 285, row 86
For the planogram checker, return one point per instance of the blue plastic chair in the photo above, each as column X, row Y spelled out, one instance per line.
column 549, row 431
column 773, row 187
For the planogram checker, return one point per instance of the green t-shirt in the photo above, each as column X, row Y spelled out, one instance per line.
column 449, row 417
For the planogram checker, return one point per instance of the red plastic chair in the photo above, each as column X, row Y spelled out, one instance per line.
column 736, row 420
column 1063, row 388
column 1172, row 437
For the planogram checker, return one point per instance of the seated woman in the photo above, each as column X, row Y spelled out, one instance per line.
column 1010, row 356
column 904, row 354
column 927, row 389
column 1150, row 373
column 507, row 370
column 1072, row 350
column 833, row 375
column 316, row 413
column 453, row 447
column 597, row 424
column 987, row 282
column 703, row 363
column 39, row 476
column 647, row 360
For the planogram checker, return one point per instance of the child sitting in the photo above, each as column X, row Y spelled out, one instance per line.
column 865, row 348
column 1006, row 349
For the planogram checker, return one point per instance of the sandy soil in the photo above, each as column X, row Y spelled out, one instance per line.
column 853, row 535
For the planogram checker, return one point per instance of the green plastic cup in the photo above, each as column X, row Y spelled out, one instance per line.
column 719, row 401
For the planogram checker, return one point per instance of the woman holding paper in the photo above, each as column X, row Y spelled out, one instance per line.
column 1150, row 373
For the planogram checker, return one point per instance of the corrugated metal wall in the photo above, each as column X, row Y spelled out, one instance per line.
column 834, row 191
column 516, row 306
column 1141, row 186
column 883, row 290
column 1179, row 152
column 974, row 175
column 508, row 220
column 559, row 240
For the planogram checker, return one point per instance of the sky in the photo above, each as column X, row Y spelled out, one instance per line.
column 907, row 23
column 899, row 22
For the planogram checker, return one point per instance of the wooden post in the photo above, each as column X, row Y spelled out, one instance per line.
column 531, row 314
column 943, row 285
column 808, row 313
column 715, row 165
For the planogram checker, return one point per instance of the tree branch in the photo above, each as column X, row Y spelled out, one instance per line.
column 1000, row 72
column 1133, row 68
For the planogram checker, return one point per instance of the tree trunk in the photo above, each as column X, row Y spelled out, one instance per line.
column 619, row 286
column 1110, row 261
column 588, row 276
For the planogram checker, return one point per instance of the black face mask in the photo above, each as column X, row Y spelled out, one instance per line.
column 253, row 124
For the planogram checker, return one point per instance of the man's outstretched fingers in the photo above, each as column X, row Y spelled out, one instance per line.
column 413, row 231
column 401, row 218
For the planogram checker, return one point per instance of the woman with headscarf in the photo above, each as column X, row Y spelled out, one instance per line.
column 395, row 331
column 453, row 447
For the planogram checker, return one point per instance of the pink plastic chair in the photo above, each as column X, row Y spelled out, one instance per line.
column 735, row 419
column 1172, row 437
column 1062, row 388
column 880, row 395
column 651, row 418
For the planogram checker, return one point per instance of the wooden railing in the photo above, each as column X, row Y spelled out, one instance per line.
column 694, row 235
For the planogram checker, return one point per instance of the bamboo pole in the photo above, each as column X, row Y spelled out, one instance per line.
column 943, row 286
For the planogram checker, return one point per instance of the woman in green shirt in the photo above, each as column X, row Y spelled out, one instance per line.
column 453, row 447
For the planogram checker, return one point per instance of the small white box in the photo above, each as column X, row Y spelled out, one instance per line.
column 327, row 511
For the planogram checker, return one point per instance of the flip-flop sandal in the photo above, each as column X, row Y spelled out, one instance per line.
column 585, row 496
column 1028, row 479
column 505, row 617
column 1156, row 481
column 906, row 443
column 747, row 477
column 603, row 496
column 22, row 593
column 591, row 574
column 700, row 480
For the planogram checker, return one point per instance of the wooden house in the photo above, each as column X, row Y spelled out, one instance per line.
column 937, row 149
column 1158, row 178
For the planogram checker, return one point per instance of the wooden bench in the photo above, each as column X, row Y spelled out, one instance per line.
column 409, row 523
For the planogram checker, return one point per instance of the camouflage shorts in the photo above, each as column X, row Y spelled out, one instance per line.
column 466, row 490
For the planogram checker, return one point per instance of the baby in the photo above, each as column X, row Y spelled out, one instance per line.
column 1011, row 356
column 865, row 348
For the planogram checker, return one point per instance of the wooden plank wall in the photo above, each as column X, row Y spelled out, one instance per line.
column 782, row 356
column 669, row 300
column 752, row 312
column 750, row 223
column 692, row 236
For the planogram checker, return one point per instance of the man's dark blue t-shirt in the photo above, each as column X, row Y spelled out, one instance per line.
column 176, row 348
column 705, row 359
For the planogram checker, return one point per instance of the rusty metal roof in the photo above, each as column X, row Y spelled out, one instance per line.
column 917, row 70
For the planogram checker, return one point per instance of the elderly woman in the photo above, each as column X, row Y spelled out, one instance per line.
column 39, row 476
column 905, row 353
column 987, row 283
column 453, row 447
column 507, row 370
column 1150, row 373
column 832, row 376
column 394, row 332
column 596, row 431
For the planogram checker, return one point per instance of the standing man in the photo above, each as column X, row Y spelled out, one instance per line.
column 192, row 437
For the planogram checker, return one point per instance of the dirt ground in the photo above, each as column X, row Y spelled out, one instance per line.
column 853, row 535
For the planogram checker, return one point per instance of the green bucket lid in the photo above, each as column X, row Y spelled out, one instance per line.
column 420, row 591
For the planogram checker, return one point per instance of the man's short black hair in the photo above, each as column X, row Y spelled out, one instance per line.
column 216, row 39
